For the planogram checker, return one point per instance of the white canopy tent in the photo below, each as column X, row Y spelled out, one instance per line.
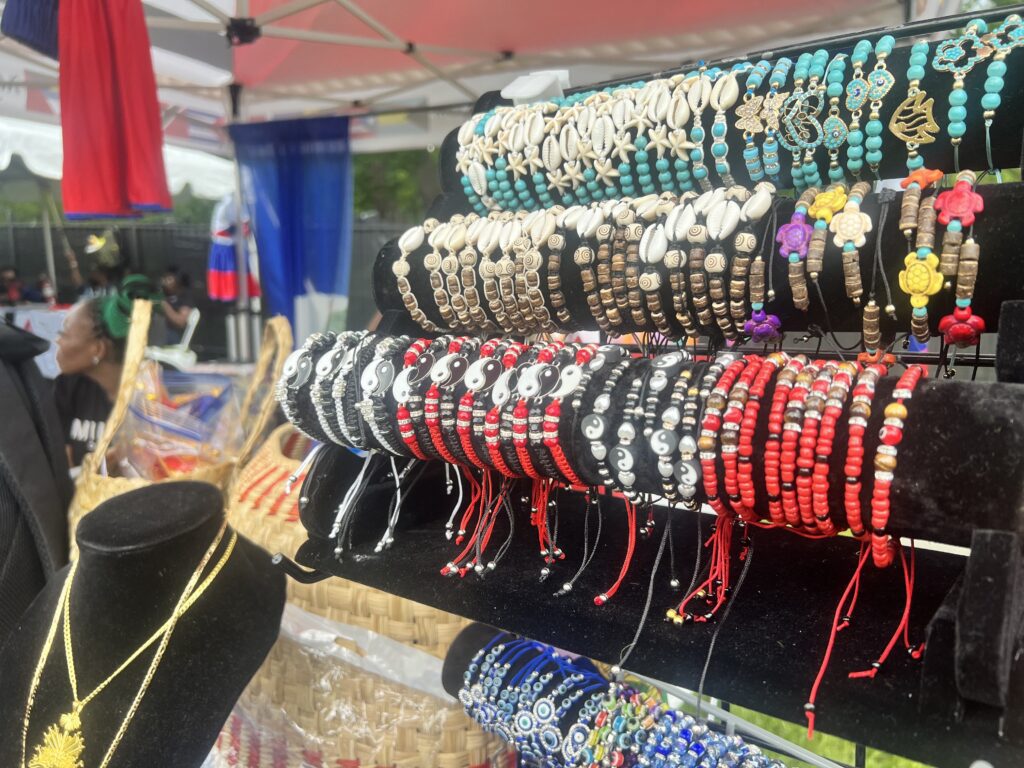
column 407, row 71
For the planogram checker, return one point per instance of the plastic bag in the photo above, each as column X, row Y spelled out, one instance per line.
column 334, row 694
column 177, row 423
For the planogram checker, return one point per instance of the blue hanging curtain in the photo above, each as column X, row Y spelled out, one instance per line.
column 297, row 181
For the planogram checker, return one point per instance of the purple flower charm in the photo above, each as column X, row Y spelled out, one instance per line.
column 762, row 327
column 794, row 237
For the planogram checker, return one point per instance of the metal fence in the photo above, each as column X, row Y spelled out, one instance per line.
column 149, row 248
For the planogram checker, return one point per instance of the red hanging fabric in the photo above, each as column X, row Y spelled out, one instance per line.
column 110, row 116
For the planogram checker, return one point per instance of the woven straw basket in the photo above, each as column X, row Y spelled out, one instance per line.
column 94, row 487
column 293, row 705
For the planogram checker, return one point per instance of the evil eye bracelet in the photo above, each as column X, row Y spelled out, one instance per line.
column 880, row 82
column 834, row 130
column 815, row 104
column 856, row 98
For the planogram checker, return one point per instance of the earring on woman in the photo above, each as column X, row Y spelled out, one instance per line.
column 95, row 359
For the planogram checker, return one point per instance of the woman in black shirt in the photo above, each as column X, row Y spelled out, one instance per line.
column 90, row 353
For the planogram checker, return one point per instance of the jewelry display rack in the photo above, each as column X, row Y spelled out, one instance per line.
column 961, row 482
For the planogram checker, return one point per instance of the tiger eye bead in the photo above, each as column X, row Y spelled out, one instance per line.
column 706, row 444
column 884, row 463
column 863, row 410
column 896, row 411
column 716, row 401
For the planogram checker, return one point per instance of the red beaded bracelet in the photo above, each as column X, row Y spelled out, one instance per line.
column 492, row 422
column 710, row 427
column 773, row 446
column 739, row 396
column 747, row 428
column 860, row 412
column 814, row 405
column 791, row 429
column 837, row 394
column 891, row 434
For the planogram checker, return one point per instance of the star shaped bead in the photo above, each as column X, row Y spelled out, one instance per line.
column 624, row 147
column 517, row 165
column 659, row 141
column 681, row 145
column 574, row 174
column 558, row 180
column 606, row 171
column 534, row 162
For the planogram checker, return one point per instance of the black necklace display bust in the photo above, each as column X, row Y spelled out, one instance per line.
column 137, row 552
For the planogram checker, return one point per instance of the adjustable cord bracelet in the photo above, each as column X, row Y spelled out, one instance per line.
column 652, row 250
column 409, row 394
column 813, row 411
column 571, row 380
column 455, row 243
column 794, row 239
column 457, row 368
column 437, row 239
column 292, row 391
column 677, row 225
column 849, row 227
column 891, row 434
column 920, row 277
column 773, row 445
column 375, row 381
column 480, row 376
column 826, row 204
column 548, row 379
column 744, row 245
column 857, row 427
column 732, row 418
column 352, row 423
column 414, row 369
column 837, row 394
column 749, row 119
column 665, row 442
column 957, row 208
column 958, row 56
column 748, row 425
column 792, row 428
column 913, row 122
column 722, row 219
column 327, row 369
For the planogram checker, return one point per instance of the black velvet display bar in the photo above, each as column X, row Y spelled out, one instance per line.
column 1000, row 276
column 766, row 655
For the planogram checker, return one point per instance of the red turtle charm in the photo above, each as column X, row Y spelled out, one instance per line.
column 961, row 202
column 962, row 329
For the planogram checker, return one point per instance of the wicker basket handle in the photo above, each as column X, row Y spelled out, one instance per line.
column 274, row 350
column 134, row 354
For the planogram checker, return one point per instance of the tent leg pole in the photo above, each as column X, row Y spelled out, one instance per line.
column 51, row 267
column 232, row 336
column 245, row 351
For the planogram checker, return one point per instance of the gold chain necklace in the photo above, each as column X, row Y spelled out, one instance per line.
column 62, row 744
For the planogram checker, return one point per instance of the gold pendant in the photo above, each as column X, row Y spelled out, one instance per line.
column 913, row 122
column 61, row 748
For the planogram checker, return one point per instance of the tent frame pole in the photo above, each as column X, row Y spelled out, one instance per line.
column 241, row 317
